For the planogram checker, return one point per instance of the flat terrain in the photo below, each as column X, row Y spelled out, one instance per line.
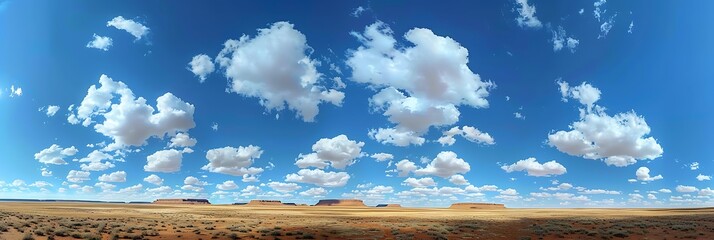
column 145, row 221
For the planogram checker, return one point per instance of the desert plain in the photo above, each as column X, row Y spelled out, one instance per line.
column 42, row 220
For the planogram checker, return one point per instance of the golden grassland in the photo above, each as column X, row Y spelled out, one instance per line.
column 147, row 221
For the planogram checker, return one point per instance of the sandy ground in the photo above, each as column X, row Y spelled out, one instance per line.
column 134, row 221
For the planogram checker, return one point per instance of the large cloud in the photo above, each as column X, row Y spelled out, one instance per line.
column 55, row 154
column 164, row 161
column 130, row 122
column 338, row 152
column 134, row 28
column 619, row 140
column 273, row 66
column 535, row 168
column 233, row 161
column 419, row 86
column 319, row 177
column 445, row 165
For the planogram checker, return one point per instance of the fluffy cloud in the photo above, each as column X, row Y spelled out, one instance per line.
column 404, row 167
column 201, row 65
column 94, row 161
column 419, row 86
column 153, row 179
column 445, row 165
column 396, row 137
column 560, row 40
column 527, row 16
column 77, row 176
column 233, row 161
column 701, row 177
column 273, row 67
column 686, row 189
column 100, row 42
column 420, row 182
column 51, row 110
column 41, row 184
column 643, row 174
column 119, row 176
column 619, row 140
column 131, row 121
column 338, row 152
column 55, row 154
column 458, row 180
column 182, row 140
column 164, row 161
column 319, row 177
column 283, row 187
column 227, row 185
column 134, row 28
column 46, row 172
column 314, row 192
column 535, row 168
column 469, row 133
column 191, row 180
column 381, row 157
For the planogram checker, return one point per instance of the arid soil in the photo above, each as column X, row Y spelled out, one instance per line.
column 146, row 221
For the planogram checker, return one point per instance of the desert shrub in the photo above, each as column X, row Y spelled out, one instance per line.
column 92, row 237
column 3, row 228
column 28, row 236
column 76, row 235
column 233, row 236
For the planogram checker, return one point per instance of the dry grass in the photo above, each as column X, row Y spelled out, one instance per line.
column 124, row 221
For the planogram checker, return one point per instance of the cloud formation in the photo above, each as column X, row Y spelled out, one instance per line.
column 536, row 169
column 134, row 28
column 619, row 140
column 418, row 86
column 273, row 67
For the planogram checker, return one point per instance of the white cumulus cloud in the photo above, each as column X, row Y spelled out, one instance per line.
column 119, row 176
column 154, row 179
column 233, row 161
column 536, row 169
column 166, row 161
column 643, row 174
column 130, row 121
column 273, row 67
column 619, row 140
column 201, row 65
column 100, row 42
column 338, row 152
column 134, row 28
column 55, row 154
column 469, row 133
column 418, row 86
column 227, row 185
column 445, row 165
column 319, row 177
column 77, row 176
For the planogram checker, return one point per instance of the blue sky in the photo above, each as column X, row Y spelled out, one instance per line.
column 529, row 103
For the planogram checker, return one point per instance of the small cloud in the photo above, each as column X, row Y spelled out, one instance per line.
column 100, row 42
